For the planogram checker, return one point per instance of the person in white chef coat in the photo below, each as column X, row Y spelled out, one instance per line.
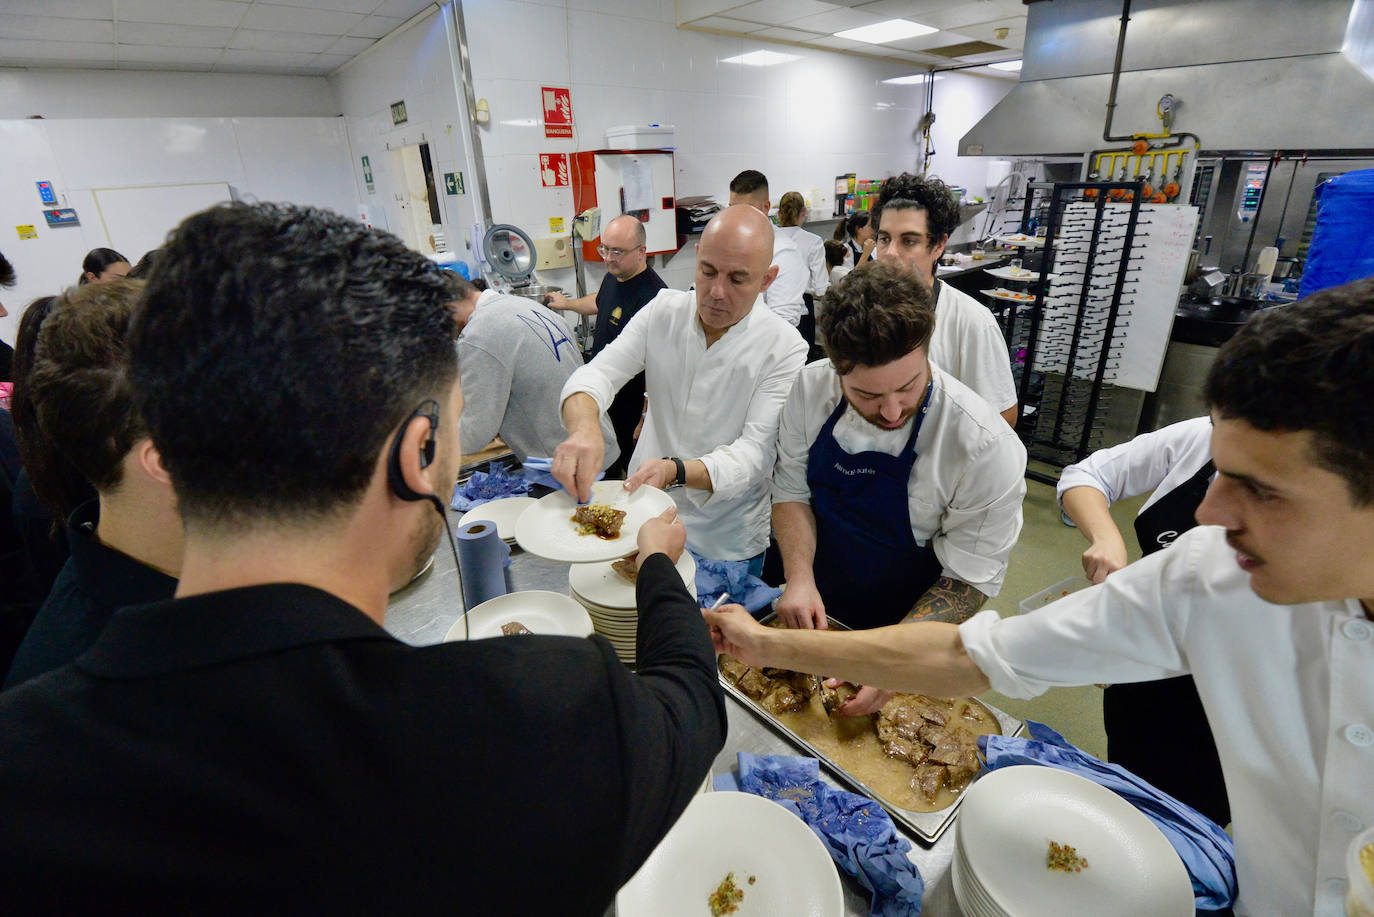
column 1268, row 603
column 1174, row 462
column 717, row 366
column 915, row 215
column 785, row 295
column 897, row 491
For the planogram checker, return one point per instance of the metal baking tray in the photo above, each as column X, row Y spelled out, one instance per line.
column 926, row 826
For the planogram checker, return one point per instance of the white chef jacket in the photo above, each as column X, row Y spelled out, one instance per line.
column 1158, row 462
column 784, row 294
column 969, row 345
column 1288, row 690
column 719, row 405
column 812, row 251
column 965, row 492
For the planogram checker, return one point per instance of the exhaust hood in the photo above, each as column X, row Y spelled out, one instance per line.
column 1247, row 74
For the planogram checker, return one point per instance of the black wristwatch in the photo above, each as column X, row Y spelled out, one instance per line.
column 681, row 479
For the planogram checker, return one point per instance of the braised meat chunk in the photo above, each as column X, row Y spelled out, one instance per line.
column 514, row 628
column 626, row 568
column 600, row 520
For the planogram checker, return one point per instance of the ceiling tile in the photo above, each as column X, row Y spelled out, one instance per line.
column 50, row 28
column 836, row 21
column 778, row 33
column 839, row 44
column 375, row 27
column 153, row 33
column 272, row 17
column 918, row 10
column 183, row 12
column 255, row 40
column 350, row 46
column 163, row 54
column 238, row 57
column 777, row 12
column 327, row 63
column 63, row 9
column 164, row 67
column 933, row 40
column 50, row 51
column 726, row 24
column 401, row 9
column 347, row 6
column 987, row 31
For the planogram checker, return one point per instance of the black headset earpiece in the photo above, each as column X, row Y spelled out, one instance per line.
column 428, row 409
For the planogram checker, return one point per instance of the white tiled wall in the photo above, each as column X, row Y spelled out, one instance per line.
column 801, row 123
column 149, row 94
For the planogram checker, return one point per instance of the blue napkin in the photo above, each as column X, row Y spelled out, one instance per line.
column 1207, row 850
column 540, row 471
column 855, row 830
column 484, row 486
column 732, row 576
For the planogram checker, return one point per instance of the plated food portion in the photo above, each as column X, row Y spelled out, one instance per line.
column 557, row 529
column 520, row 613
column 1010, row 295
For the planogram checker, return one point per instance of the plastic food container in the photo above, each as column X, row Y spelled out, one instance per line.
column 641, row 137
column 1359, row 897
column 1055, row 593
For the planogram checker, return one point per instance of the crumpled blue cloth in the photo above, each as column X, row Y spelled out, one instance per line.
column 717, row 576
column 1207, row 850
column 540, row 471
column 484, row 486
column 856, row 831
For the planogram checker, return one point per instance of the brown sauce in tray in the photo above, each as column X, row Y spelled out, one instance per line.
column 852, row 744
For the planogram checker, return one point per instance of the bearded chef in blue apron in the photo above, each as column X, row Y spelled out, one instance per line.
column 896, row 491
column 1175, row 462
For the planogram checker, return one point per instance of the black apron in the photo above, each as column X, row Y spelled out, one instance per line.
column 1158, row 729
column 869, row 569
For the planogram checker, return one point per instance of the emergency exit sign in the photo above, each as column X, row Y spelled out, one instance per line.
column 453, row 182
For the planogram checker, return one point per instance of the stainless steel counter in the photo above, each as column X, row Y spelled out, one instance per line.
column 423, row 612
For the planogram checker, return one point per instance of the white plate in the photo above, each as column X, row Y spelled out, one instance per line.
column 547, row 613
column 1008, row 819
column 741, row 833
column 501, row 513
column 547, row 530
column 1017, row 273
column 602, row 585
column 1020, row 238
column 1010, row 295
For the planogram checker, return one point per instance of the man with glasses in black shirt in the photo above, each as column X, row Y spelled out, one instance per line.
column 628, row 285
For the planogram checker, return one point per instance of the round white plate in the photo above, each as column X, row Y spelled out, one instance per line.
column 602, row 585
column 1009, row 817
column 1017, row 273
column 1020, row 238
column 547, row 613
column 745, row 834
column 501, row 513
column 547, row 530
column 1010, row 295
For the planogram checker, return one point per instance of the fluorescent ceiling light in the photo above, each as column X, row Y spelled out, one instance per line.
column 907, row 80
column 760, row 58
column 891, row 30
column 1011, row 66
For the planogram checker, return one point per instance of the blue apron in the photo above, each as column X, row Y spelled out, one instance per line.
column 869, row 569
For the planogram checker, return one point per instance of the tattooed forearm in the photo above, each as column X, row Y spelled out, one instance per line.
column 948, row 600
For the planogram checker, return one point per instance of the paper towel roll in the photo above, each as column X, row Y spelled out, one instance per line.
column 484, row 560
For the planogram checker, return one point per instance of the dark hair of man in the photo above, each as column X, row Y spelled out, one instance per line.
column 7, row 278
column 21, row 405
column 1308, row 366
column 79, row 387
column 458, row 287
column 851, row 224
column 834, row 253
column 96, row 260
column 750, row 181
column 276, row 350
column 145, row 265
column 791, row 209
column 875, row 315
column 916, row 192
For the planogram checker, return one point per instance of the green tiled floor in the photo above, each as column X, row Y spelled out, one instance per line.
column 1047, row 552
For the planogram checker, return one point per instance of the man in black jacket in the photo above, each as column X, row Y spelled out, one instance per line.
column 260, row 741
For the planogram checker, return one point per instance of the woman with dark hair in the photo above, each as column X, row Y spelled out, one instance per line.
column 101, row 265
column 856, row 232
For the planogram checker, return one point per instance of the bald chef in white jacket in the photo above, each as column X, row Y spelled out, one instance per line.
column 717, row 366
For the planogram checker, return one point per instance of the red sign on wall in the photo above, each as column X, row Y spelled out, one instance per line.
column 557, row 104
column 554, row 170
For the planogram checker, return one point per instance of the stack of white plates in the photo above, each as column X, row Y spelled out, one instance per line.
column 501, row 513
column 1002, row 839
column 610, row 601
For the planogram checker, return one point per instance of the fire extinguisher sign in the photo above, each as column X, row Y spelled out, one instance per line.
column 554, row 170
column 557, row 105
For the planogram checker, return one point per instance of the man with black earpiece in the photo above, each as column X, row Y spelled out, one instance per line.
column 259, row 742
